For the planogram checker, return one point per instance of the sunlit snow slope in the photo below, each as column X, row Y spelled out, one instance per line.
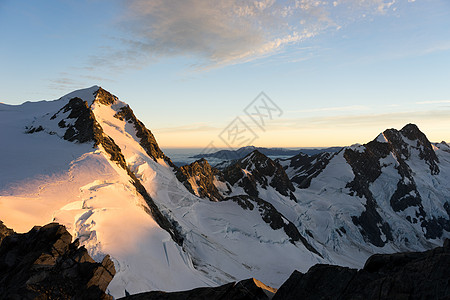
column 86, row 161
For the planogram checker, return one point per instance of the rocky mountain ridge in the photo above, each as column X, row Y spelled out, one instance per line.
column 410, row 275
column 244, row 151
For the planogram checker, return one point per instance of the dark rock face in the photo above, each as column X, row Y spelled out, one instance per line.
column 258, row 169
column 367, row 168
column 171, row 226
column 243, row 290
column 85, row 128
column 417, row 275
column 104, row 97
column 44, row 264
column 4, row 231
column 372, row 225
column 321, row 282
column 268, row 213
column 203, row 174
column 272, row 217
column 423, row 145
column 308, row 167
column 147, row 140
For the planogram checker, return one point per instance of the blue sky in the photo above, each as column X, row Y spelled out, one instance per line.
column 340, row 71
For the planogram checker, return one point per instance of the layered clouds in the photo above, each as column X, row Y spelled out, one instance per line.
column 225, row 32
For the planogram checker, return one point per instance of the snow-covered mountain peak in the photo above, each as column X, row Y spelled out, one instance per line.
column 109, row 101
column 412, row 132
column 410, row 142
column 442, row 146
column 92, row 94
column 406, row 157
column 255, row 170
column 86, row 94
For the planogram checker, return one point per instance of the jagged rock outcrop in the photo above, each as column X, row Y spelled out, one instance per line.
column 257, row 169
column 45, row 264
column 146, row 138
column 421, row 143
column 4, row 231
column 252, row 171
column 75, row 119
column 104, row 97
column 85, row 127
column 201, row 179
column 415, row 275
column 249, row 289
column 303, row 168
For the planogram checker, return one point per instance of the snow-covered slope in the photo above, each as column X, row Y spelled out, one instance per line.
column 86, row 161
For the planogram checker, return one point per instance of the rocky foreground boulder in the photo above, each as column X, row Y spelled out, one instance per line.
column 249, row 289
column 413, row 275
column 45, row 264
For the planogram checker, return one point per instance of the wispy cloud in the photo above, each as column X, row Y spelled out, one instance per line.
column 444, row 46
column 333, row 109
column 433, row 102
column 226, row 32
column 362, row 120
column 194, row 127
column 65, row 83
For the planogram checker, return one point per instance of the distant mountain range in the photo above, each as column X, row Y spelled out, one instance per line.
column 244, row 151
column 86, row 162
